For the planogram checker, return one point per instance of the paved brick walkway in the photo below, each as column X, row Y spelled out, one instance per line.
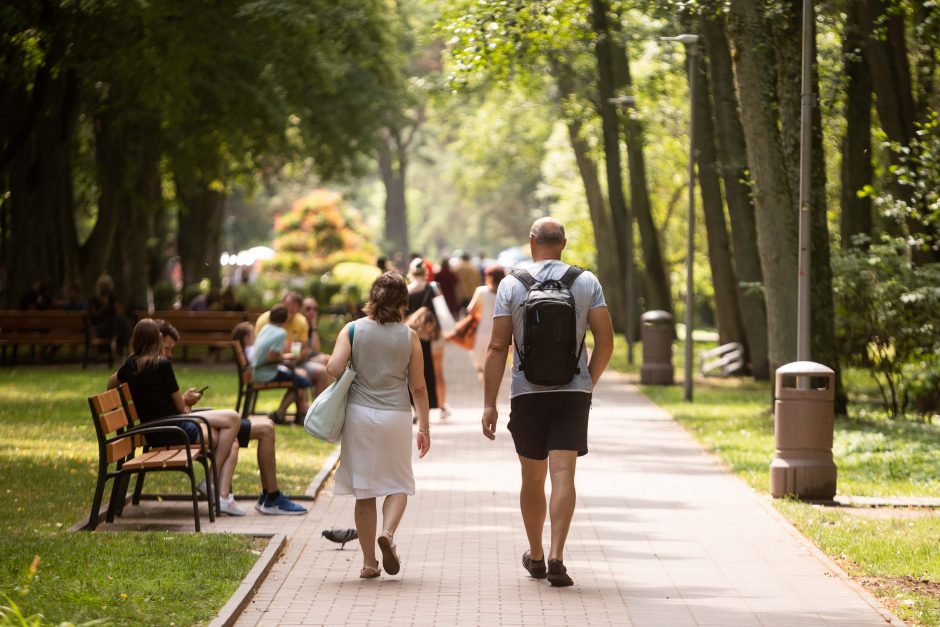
column 661, row 536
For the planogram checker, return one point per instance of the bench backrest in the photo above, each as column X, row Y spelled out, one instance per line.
column 109, row 417
column 133, row 419
column 241, row 362
column 52, row 321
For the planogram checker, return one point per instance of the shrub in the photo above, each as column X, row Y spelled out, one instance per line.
column 886, row 321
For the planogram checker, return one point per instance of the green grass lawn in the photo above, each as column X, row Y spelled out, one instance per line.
column 48, row 459
column 895, row 554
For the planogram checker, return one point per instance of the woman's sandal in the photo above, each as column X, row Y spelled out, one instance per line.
column 390, row 559
column 369, row 572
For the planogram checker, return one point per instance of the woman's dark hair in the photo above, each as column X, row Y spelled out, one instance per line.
column 386, row 298
column 146, row 344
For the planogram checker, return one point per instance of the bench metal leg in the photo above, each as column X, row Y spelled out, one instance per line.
column 96, row 500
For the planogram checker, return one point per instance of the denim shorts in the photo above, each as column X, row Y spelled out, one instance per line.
column 286, row 374
column 169, row 438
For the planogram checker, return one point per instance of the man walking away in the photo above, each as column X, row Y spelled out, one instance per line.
column 552, row 383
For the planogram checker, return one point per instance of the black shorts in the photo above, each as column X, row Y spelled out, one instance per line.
column 549, row 421
column 244, row 433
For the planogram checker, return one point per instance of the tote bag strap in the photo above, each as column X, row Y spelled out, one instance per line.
column 352, row 334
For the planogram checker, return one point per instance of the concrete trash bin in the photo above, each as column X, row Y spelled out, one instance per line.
column 804, row 420
column 657, row 334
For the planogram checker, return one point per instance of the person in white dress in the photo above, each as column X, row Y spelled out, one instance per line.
column 483, row 303
column 375, row 458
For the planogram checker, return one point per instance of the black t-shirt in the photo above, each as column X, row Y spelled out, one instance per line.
column 152, row 388
column 417, row 300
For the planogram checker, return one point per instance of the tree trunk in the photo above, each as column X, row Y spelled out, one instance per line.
column 787, row 32
column 620, row 213
column 202, row 208
column 656, row 278
column 42, row 238
column 887, row 54
column 112, row 162
column 393, row 164
column 776, row 218
column 732, row 154
column 719, row 254
column 608, row 270
column 855, row 216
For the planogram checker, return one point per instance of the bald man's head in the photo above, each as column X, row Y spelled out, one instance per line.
column 547, row 238
column 547, row 232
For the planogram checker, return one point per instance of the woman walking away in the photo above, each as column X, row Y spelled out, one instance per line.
column 421, row 293
column 482, row 305
column 375, row 457
column 424, row 323
column 156, row 394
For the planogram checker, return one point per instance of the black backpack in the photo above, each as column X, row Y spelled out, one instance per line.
column 549, row 353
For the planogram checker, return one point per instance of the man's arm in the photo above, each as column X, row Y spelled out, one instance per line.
column 493, row 369
column 603, row 331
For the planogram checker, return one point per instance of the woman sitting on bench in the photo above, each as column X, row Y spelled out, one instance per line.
column 157, row 395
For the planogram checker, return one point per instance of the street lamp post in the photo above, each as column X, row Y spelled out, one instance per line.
column 691, row 50
column 803, row 330
column 630, row 298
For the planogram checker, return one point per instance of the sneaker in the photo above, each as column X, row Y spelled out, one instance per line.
column 260, row 502
column 230, row 507
column 282, row 506
column 445, row 411
column 202, row 489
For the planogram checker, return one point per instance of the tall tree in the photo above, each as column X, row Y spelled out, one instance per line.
column 604, row 51
column 856, row 172
column 730, row 328
column 732, row 154
column 776, row 218
column 656, row 277
column 608, row 269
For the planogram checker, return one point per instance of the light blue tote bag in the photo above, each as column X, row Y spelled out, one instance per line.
column 327, row 414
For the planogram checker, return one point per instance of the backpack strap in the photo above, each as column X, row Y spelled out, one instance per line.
column 570, row 276
column 524, row 277
column 567, row 279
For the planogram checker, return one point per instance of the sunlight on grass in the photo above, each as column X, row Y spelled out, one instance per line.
column 47, row 442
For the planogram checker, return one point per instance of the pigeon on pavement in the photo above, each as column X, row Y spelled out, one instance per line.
column 340, row 536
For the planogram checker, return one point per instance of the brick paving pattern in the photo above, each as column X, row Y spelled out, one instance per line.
column 661, row 535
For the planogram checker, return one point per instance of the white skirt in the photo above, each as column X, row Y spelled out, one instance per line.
column 375, row 458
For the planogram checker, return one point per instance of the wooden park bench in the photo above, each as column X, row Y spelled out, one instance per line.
column 120, row 455
column 248, row 389
column 202, row 328
column 49, row 328
column 727, row 358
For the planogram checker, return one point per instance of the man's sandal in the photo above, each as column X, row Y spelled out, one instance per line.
column 536, row 568
column 390, row 559
column 369, row 572
column 558, row 574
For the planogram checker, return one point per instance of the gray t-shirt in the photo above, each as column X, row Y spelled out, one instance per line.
column 510, row 297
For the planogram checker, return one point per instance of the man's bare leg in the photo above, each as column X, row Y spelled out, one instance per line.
column 561, row 509
column 532, row 503
column 262, row 430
